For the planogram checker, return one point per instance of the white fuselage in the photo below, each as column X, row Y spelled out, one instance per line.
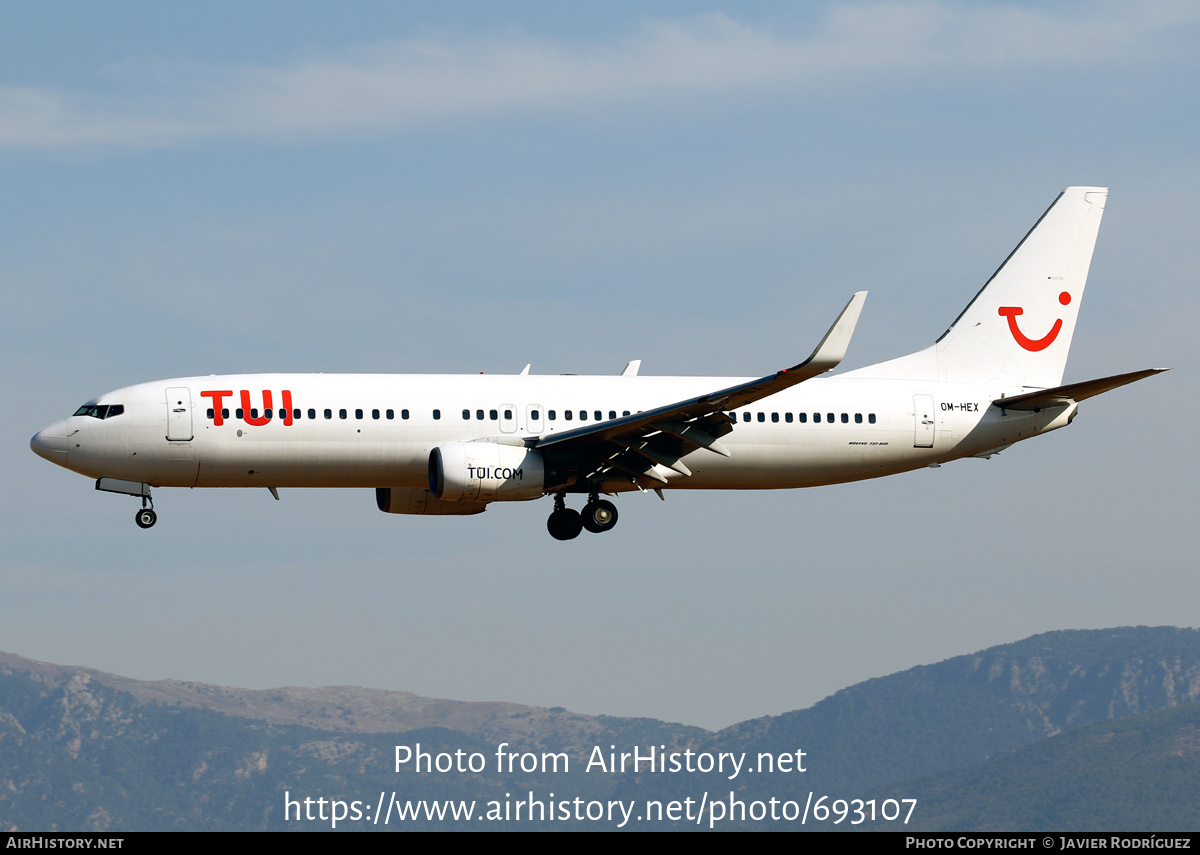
column 329, row 430
column 434, row 444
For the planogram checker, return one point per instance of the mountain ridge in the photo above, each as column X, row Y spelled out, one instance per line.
column 84, row 749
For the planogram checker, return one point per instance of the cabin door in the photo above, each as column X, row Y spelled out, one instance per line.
column 179, row 413
column 923, row 416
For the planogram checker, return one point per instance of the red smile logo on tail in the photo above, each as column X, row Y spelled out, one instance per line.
column 1025, row 341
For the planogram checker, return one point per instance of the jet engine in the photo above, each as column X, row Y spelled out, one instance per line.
column 417, row 500
column 482, row 471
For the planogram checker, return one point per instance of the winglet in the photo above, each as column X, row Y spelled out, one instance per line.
column 832, row 349
column 631, row 368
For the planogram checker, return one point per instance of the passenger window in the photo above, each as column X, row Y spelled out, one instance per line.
column 358, row 414
column 583, row 415
column 224, row 412
column 240, row 412
column 599, row 415
column 329, row 414
column 787, row 417
column 493, row 415
column 774, row 417
column 803, row 418
column 466, row 415
column 534, row 415
column 479, row 414
column 625, row 412
column 746, row 417
column 437, row 414
column 829, row 418
column 391, row 414
column 551, row 414
column 612, row 414
column 762, row 417
column 568, row 415
column 295, row 415
column 508, row 414
column 283, row 413
column 817, row 418
column 254, row 412
column 871, row 418
column 312, row 414
column 374, row 414
column 341, row 414
column 858, row 418
column 212, row 414
column 845, row 418
column 404, row 414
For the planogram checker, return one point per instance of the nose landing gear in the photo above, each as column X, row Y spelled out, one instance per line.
column 144, row 518
column 599, row 515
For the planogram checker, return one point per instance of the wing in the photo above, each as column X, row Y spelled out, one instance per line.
column 636, row 446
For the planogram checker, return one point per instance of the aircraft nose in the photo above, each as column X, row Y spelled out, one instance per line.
column 51, row 443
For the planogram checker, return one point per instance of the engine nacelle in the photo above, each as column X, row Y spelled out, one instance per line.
column 480, row 471
column 417, row 500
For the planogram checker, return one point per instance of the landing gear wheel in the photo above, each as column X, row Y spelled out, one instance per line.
column 599, row 516
column 564, row 524
column 146, row 518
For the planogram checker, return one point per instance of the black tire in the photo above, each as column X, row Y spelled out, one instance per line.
column 599, row 516
column 564, row 524
column 145, row 518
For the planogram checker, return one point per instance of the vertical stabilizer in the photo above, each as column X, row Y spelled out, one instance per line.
column 1017, row 331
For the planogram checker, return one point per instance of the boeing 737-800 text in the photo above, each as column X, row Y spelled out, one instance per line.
column 452, row 444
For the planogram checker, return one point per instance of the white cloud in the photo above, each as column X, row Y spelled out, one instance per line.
column 397, row 85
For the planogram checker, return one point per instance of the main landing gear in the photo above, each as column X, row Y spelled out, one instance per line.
column 598, row 515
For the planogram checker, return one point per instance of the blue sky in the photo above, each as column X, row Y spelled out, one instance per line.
column 470, row 187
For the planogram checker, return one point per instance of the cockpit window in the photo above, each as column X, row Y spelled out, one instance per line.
column 100, row 411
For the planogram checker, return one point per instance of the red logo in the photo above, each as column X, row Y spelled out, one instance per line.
column 218, row 399
column 1025, row 341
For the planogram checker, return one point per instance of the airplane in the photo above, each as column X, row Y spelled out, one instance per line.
column 453, row 444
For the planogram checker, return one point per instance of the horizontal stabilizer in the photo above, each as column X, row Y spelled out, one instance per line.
column 1074, row 392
